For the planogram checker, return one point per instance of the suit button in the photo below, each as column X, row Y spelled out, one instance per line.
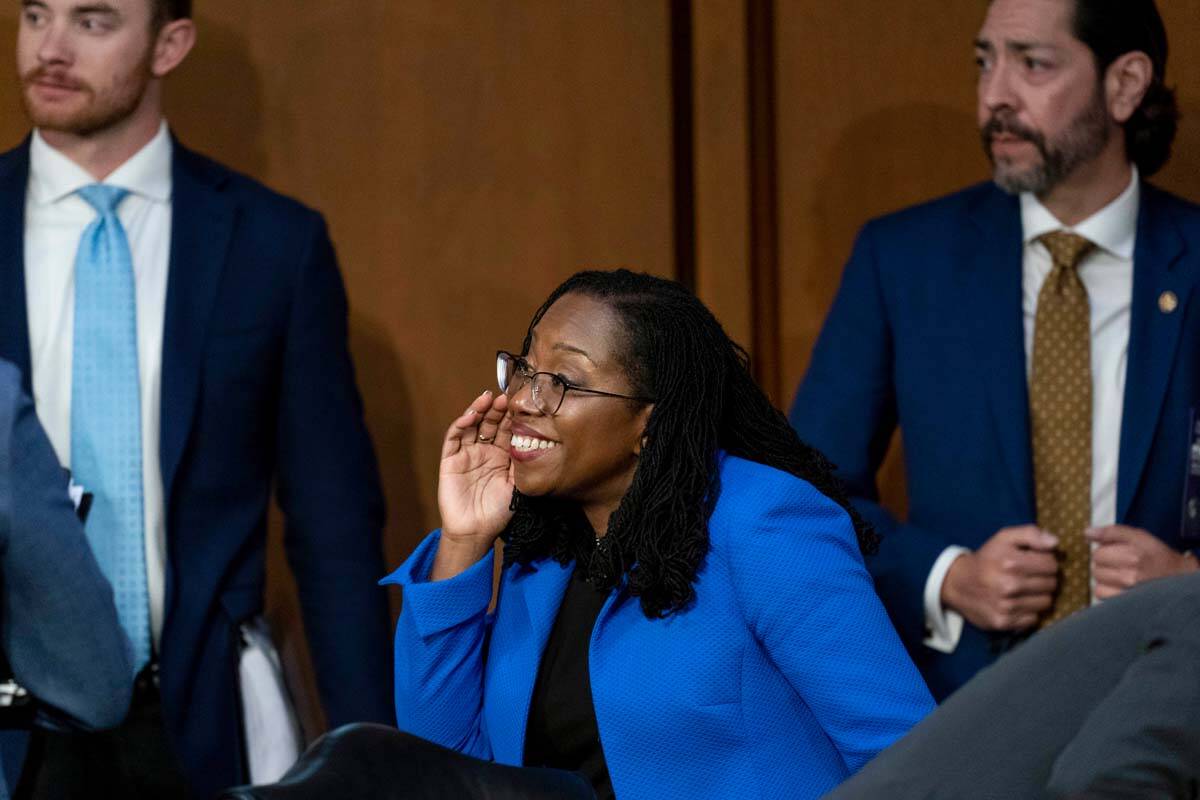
column 1167, row 302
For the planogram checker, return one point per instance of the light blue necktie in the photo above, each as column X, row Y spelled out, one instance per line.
column 106, row 419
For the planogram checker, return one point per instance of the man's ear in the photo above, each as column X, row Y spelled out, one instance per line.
column 174, row 41
column 1126, row 83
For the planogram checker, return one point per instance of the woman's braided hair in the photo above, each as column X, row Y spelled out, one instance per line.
column 675, row 351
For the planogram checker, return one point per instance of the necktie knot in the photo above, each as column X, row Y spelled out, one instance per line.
column 1066, row 249
column 103, row 198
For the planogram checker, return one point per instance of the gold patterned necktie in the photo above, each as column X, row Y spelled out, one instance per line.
column 1060, row 405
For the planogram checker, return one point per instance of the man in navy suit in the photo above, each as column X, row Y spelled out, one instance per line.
column 941, row 323
column 58, row 624
column 241, row 380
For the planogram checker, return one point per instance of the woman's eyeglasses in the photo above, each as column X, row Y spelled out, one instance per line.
column 546, row 388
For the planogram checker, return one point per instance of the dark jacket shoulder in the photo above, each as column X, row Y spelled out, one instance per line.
column 1184, row 213
column 930, row 219
column 250, row 194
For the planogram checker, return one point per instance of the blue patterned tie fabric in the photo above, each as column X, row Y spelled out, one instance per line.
column 106, row 419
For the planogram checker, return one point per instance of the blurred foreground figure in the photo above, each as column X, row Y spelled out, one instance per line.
column 1105, row 706
column 58, row 624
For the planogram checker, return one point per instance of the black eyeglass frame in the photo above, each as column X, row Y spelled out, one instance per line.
column 529, row 378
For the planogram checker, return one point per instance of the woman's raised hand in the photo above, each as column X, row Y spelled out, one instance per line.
column 475, row 483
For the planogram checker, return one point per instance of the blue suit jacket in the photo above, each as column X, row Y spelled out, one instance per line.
column 58, row 624
column 784, row 677
column 926, row 333
column 257, row 386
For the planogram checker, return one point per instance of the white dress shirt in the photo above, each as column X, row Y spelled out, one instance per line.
column 1107, row 274
column 55, row 218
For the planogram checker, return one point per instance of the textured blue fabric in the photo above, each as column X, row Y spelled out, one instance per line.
column 926, row 334
column 783, row 678
column 106, row 419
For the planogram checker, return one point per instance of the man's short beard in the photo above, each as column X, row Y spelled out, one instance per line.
column 102, row 111
column 1083, row 140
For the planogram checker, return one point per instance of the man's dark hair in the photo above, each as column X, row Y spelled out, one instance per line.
column 170, row 10
column 672, row 349
column 1112, row 28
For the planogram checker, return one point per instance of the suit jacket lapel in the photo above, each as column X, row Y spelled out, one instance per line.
column 539, row 591
column 14, row 324
column 1153, row 336
column 202, row 221
column 993, row 256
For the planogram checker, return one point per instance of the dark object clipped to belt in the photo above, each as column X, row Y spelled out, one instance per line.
column 16, row 705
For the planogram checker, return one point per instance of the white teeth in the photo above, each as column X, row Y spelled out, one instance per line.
column 528, row 443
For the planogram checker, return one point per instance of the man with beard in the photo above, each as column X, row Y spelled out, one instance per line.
column 1036, row 341
column 183, row 331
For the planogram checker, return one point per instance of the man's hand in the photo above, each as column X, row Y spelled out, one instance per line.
column 1125, row 557
column 1006, row 584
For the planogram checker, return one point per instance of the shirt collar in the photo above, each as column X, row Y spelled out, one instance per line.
column 53, row 176
column 1112, row 228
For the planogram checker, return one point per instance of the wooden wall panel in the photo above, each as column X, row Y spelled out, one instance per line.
column 1182, row 17
column 722, row 202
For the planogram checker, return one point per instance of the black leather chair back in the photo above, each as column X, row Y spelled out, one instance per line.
column 381, row 763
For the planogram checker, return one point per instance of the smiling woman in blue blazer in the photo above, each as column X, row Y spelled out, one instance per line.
column 683, row 609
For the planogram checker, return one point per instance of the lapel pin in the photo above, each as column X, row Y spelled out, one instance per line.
column 1167, row 302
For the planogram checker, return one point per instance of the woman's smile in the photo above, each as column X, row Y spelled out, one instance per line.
column 529, row 444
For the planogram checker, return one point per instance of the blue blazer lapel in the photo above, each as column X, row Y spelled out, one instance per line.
column 1153, row 336
column 202, row 221
column 993, row 258
column 14, row 324
column 535, row 595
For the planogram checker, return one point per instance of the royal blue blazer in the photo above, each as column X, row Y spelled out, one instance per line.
column 784, row 677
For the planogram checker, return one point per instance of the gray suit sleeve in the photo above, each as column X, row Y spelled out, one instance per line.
column 58, row 624
column 1143, row 739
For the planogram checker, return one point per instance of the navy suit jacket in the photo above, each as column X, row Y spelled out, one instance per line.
column 926, row 333
column 58, row 624
column 257, row 388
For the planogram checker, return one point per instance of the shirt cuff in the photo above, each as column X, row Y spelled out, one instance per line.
column 943, row 626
